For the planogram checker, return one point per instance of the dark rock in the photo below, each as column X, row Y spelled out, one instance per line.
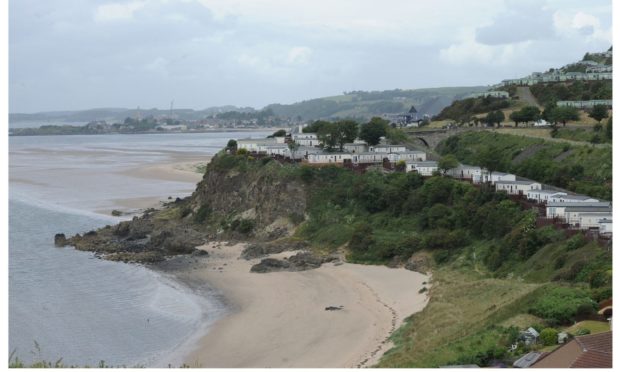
column 270, row 264
column 200, row 252
column 60, row 240
column 262, row 249
column 116, row 213
column 418, row 264
column 334, row 308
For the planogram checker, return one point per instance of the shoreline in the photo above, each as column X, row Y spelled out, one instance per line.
column 278, row 319
column 219, row 130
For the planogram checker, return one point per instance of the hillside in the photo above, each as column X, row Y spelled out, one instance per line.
column 493, row 269
column 359, row 104
column 363, row 105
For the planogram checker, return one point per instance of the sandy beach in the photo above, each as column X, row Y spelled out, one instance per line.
column 279, row 319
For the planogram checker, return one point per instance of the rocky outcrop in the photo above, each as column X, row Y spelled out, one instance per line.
column 263, row 249
column 229, row 203
column 299, row 262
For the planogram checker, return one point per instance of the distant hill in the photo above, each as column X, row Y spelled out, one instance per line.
column 361, row 104
column 358, row 104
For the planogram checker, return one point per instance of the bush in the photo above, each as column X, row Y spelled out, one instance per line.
column 563, row 304
column 245, row 226
column 549, row 336
column 576, row 242
column 202, row 213
column 582, row 332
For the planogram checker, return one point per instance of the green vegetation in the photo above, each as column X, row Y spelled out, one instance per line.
column 549, row 336
column 464, row 109
column 572, row 91
column 581, row 169
column 493, row 271
column 374, row 130
column 525, row 115
column 582, row 134
column 494, row 117
column 598, row 113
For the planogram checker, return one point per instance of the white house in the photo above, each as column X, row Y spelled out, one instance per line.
column 356, row 147
column 279, row 149
column 494, row 177
column 302, row 152
column 516, row 187
column 558, row 209
column 465, row 172
column 424, row 168
column 544, row 196
column 407, row 156
column 369, row 157
column 306, row 139
column 328, row 157
column 256, row 144
column 586, row 217
column 577, row 199
column 605, row 226
column 387, row 148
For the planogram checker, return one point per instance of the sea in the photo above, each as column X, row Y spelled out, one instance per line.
column 69, row 305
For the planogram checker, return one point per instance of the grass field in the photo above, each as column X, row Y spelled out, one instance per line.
column 455, row 322
column 592, row 325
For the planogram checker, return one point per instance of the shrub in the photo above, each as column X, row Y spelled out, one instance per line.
column 245, row 226
column 242, row 152
column 202, row 213
column 582, row 332
column 576, row 242
column 549, row 336
column 562, row 304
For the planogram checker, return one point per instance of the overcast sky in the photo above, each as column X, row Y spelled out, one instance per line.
column 76, row 54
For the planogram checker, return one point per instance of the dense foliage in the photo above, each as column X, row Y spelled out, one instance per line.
column 466, row 108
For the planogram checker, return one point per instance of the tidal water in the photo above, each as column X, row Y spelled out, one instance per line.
column 67, row 304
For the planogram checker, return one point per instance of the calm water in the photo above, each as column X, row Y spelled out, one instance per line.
column 73, row 305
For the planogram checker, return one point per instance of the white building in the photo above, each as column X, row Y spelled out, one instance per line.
column 465, row 172
column 279, row 149
column 256, row 144
column 328, row 158
column 576, row 199
column 586, row 218
column 558, row 209
column 605, row 226
column 306, row 139
column 387, row 148
column 516, row 187
column 494, row 177
column 424, row 168
column 544, row 196
column 356, row 147
column 369, row 157
column 407, row 156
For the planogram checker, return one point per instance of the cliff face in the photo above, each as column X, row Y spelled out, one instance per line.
column 233, row 201
column 261, row 196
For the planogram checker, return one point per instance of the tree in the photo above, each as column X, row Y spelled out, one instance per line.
column 315, row 127
column 598, row 113
column 232, row 145
column 347, row 131
column 279, row 133
column 495, row 117
column 447, row 162
column 489, row 159
column 328, row 135
column 374, row 130
column 549, row 336
column 525, row 115
column 564, row 114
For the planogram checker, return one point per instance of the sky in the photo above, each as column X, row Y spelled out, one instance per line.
column 76, row 54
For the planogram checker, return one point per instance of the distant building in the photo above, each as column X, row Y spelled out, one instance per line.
column 424, row 168
column 543, row 196
column 517, row 187
column 306, row 139
column 492, row 93
column 586, row 104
